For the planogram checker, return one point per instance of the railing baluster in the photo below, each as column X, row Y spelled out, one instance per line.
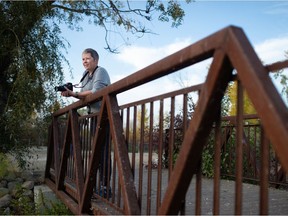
column 198, row 190
column 140, row 151
column 239, row 150
column 217, row 165
column 160, row 148
column 134, row 140
column 264, row 174
column 149, row 166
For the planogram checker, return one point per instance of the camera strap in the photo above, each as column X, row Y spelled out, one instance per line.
column 84, row 76
column 87, row 72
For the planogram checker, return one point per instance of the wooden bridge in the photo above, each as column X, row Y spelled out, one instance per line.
column 153, row 151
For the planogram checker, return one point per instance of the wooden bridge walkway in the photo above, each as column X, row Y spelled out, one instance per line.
column 278, row 199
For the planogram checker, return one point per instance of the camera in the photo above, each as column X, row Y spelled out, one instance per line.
column 62, row 88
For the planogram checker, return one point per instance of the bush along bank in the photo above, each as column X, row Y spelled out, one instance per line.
column 18, row 197
column 16, row 194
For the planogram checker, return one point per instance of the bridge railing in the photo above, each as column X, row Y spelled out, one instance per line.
column 156, row 145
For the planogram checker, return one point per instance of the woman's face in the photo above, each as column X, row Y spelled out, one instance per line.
column 89, row 62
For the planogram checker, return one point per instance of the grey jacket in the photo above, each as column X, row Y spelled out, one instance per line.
column 97, row 81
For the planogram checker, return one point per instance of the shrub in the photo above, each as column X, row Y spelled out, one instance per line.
column 3, row 165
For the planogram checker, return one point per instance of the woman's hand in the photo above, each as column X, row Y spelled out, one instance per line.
column 67, row 93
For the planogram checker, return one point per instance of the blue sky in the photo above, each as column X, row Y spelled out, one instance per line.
column 264, row 22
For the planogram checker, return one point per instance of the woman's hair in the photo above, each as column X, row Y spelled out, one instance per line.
column 93, row 53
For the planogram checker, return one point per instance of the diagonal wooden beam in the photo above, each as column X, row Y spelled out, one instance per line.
column 77, row 154
column 212, row 92
column 261, row 90
column 122, row 159
column 64, row 156
column 98, row 142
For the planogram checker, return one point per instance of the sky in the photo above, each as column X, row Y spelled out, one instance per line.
column 264, row 23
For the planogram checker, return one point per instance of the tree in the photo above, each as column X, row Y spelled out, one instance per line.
column 248, row 106
column 283, row 81
column 31, row 52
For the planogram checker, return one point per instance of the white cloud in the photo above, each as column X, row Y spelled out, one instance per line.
column 280, row 8
column 140, row 57
column 272, row 50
